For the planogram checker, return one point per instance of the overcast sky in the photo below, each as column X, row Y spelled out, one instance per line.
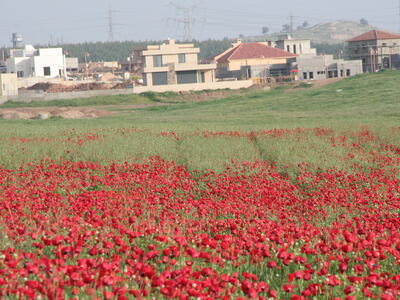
column 45, row 21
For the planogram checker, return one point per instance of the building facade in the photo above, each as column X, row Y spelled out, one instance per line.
column 30, row 62
column 295, row 46
column 173, row 64
column 8, row 85
column 317, row 67
column 377, row 49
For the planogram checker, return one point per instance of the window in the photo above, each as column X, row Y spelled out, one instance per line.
column 311, row 75
column 20, row 74
column 182, row 58
column 288, row 48
column 335, row 73
column 348, row 72
column 341, row 73
column 203, row 77
column 294, row 49
column 301, row 48
column 184, row 77
column 305, row 75
column 157, row 61
column 384, row 45
column 160, row 78
column 46, row 71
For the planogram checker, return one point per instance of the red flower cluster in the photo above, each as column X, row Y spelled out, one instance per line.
column 74, row 230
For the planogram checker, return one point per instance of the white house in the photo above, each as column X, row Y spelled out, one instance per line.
column 30, row 62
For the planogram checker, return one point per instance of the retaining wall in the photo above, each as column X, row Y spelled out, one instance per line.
column 220, row 85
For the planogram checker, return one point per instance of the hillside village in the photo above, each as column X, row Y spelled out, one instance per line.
column 30, row 74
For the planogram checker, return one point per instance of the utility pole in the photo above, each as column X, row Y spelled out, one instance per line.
column 291, row 18
column 187, row 19
column 110, row 25
column 399, row 15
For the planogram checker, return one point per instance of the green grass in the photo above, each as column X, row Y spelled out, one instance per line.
column 93, row 101
column 368, row 100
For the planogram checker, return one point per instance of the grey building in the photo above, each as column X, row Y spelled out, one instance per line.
column 313, row 67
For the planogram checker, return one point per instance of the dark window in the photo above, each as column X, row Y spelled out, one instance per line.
column 335, row 74
column 182, row 58
column 288, row 48
column 311, row 75
column 20, row 74
column 384, row 44
column 203, row 77
column 330, row 74
column 294, row 49
column 157, row 61
column 46, row 71
column 186, row 77
column 301, row 48
column 348, row 72
column 305, row 75
column 341, row 73
column 160, row 78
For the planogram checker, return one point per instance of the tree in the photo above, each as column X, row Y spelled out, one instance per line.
column 305, row 24
column 285, row 28
column 265, row 30
column 364, row 21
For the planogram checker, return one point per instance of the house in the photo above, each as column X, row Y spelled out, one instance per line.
column 295, row 46
column 8, row 85
column 31, row 62
column 174, row 64
column 377, row 49
column 231, row 62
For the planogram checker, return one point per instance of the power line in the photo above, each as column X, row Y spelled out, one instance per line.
column 187, row 19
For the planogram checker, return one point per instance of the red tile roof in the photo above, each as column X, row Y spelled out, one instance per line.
column 253, row 50
column 374, row 35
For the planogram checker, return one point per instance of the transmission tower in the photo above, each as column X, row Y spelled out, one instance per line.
column 110, row 25
column 187, row 19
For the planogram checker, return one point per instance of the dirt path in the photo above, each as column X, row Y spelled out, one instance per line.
column 315, row 84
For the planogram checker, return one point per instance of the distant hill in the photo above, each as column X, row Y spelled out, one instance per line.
column 330, row 32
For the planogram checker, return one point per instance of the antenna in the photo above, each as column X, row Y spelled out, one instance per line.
column 110, row 25
column 187, row 19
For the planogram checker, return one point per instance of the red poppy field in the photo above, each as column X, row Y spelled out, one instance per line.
column 156, row 229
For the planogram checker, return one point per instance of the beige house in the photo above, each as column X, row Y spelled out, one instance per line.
column 174, row 64
column 250, row 54
column 377, row 49
column 8, row 85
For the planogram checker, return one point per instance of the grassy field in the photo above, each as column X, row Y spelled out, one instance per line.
column 345, row 106
column 288, row 194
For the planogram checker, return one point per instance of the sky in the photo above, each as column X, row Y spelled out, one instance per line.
column 73, row 21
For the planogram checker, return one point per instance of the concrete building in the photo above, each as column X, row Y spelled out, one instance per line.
column 174, row 64
column 71, row 64
column 377, row 49
column 295, row 46
column 317, row 67
column 8, row 85
column 30, row 62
